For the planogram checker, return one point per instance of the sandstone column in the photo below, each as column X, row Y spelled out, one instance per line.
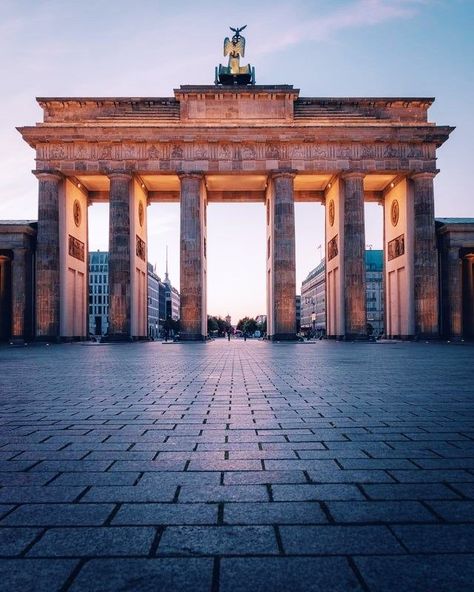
column 354, row 256
column 283, row 257
column 425, row 257
column 119, row 256
column 5, row 301
column 468, row 296
column 47, row 256
column 192, row 255
column 453, row 310
column 19, row 294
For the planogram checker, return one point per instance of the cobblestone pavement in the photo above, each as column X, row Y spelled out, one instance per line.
column 235, row 466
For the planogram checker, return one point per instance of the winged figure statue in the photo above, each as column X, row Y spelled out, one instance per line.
column 234, row 73
column 234, row 48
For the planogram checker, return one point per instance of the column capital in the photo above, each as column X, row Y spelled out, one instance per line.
column 125, row 175
column 352, row 175
column 48, row 175
column 190, row 175
column 423, row 175
column 285, row 173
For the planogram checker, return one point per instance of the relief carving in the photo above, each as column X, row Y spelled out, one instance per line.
column 396, row 247
column 56, row 152
column 224, row 152
column 367, row 151
column 105, row 152
column 140, row 248
column 248, row 153
column 76, row 248
column 332, row 248
column 153, row 153
column 176, row 151
column 391, row 151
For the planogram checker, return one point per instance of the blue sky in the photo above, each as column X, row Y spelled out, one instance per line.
column 324, row 48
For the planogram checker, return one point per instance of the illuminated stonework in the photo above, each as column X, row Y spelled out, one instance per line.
column 251, row 143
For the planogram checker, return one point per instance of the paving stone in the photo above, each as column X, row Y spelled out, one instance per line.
column 349, row 476
column 402, row 491
column 25, row 479
column 145, row 575
column 338, row 540
column 274, row 513
column 223, row 493
column 72, row 465
column 49, row 493
column 92, row 478
column 255, row 477
column 391, row 511
column 35, row 575
column 439, row 538
column 454, row 511
column 308, row 492
column 14, row 540
column 59, row 515
column 433, row 476
column 163, row 514
column 129, row 493
column 271, row 574
column 428, row 573
column 218, row 540
column 225, row 436
column 176, row 478
column 94, row 541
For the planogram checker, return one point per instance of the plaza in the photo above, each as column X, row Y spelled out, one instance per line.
column 235, row 466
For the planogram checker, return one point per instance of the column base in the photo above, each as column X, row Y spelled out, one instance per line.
column 192, row 337
column 283, row 337
column 118, row 338
column 17, row 340
column 355, row 337
column 426, row 337
column 48, row 339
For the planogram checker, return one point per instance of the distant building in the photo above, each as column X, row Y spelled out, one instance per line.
column 313, row 300
column 228, row 320
column 298, row 312
column 374, row 289
column 98, row 292
column 153, row 320
column 313, row 295
column 163, row 299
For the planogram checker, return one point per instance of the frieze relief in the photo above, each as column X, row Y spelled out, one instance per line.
column 305, row 151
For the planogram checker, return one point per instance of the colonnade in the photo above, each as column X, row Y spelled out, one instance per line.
column 410, row 263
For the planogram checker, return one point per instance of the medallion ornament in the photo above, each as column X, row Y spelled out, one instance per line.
column 332, row 212
column 77, row 213
column 394, row 212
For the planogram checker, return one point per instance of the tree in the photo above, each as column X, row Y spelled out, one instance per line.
column 247, row 325
column 212, row 325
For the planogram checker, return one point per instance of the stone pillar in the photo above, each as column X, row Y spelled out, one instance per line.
column 453, row 304
column 283, row 257
column 425, row 257
column 468, row 296
column 5, row 300
column 119, row 257
column 19, row 294
column 192, row 254
column 354, row 257
column 47, row 256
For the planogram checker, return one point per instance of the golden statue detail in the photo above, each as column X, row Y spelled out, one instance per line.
column 234, row 73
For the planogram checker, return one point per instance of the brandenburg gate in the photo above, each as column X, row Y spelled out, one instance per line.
column 236, row 141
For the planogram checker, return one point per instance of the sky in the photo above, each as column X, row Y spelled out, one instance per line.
column 323, row 47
